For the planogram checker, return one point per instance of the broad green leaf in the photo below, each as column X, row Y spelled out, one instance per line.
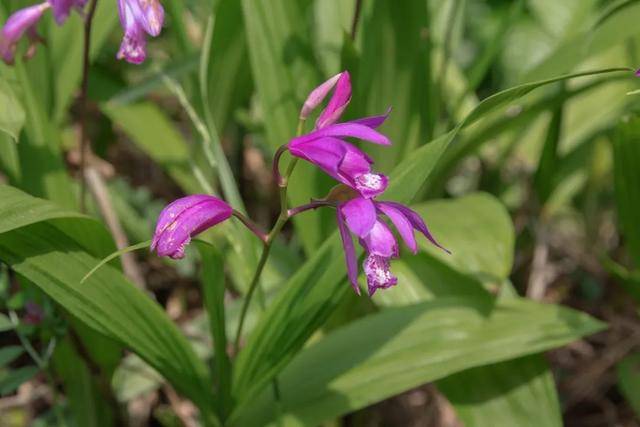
column 477, row 229
column 9, row 353
column 398, row 349
column 284, row 72
column 626, row 154
column 19, row 209
column 107, row 303
column 12, row 115
column 519, row 392
column 629, row 380
column 11, row 380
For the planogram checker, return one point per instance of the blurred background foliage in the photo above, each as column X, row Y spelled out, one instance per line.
column 535, row 190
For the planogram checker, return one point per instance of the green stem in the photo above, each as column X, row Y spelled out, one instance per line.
column 268, row 242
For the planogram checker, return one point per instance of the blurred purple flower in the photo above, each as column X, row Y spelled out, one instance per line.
column 20, row 23
column 62, row 8
column 138, row 19
column 34, row 313
column 638, row 72
column 362, row 217
column 183, row 219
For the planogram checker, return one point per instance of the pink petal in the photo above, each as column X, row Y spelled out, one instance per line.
column 183, row 219
column 417, row 222
column 317, row 96
column 349, row 253
column 337, row 103
column 402, row 224
column 381, row 241
column 372, row 121
column 360, row 215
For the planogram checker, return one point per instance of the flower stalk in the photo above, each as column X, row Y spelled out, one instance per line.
column 283, row 217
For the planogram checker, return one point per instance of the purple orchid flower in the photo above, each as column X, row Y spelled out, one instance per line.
column 22, row 22
column 362, row 217
column 638, row 72
column 62, row 8
column 138, row 18
column 184, row 218
column 340, row 159
column 325, row 147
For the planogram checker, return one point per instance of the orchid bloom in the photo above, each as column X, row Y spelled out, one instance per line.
column 362, row 217
column 325, row 146
column 138, row 18
column 62, row 8
column 20, row 23
column 184, row 218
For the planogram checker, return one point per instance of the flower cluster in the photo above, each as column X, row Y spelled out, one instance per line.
column 359, row 214
column 138, row 18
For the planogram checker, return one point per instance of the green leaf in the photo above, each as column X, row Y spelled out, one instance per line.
column 547, row 165
column 213, row 289
column 398, row 349
column 12, row 115
column 19, row 209
column 87, row 401
column 5, row 323
column 227, row 81
column 499, row 124
column 477, row 229
column 10, row 353
column 108, row 303
column 43, row 170
column 626, row 155
column 11, row 380
column 518, row 392
column 628, row 371
column 614, row 27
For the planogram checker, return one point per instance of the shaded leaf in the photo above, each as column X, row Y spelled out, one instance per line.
column 11, row 380
column 519, row 392
column 12, row 115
